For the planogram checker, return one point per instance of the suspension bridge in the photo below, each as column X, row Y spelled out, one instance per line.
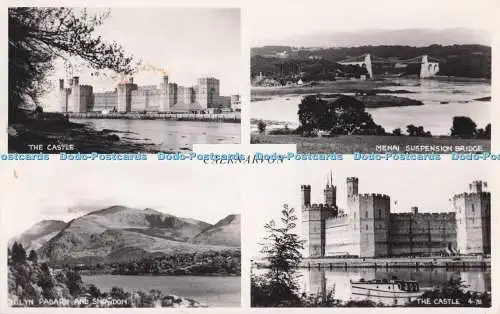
column 429, row 66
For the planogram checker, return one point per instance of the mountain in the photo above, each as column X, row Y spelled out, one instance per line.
column 122, row 233
column 38, row 234
column 225, row 232
column 376, row 37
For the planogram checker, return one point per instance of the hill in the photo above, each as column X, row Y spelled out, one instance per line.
column 225, row 232
column 38, row 234
column 417, row 37
column 118, row 233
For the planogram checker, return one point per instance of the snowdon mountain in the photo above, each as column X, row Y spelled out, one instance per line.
column 121, row 233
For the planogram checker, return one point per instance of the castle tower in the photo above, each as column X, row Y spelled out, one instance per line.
column 124, row 95
column 164, row 97
column 330, row 193
column 473, row 213
column 63, row 100
column 374, row 222
column 75, row 95
column 313, row 224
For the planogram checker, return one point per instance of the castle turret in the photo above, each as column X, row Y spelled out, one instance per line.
column 313, row 224
column 330, row 193
column 414, row 210
column 352, row 186
column 306, row 195
column 473, row 213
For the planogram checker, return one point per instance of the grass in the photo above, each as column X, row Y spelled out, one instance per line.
column 348, row 144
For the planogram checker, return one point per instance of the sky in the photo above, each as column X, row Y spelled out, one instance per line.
column 280, row 20
column 429, row 185
column 186, row 42
column 65, row 190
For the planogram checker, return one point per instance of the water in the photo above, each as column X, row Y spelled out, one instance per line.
column 171, row 135
column 212, row 291
column 323, row 280
column 433, row 115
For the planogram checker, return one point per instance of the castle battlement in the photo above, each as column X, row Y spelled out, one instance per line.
column 423, row 215
column 469, row 195
column 341, row 219
column 374, row 196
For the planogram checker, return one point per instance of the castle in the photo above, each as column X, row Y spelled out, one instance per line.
column 367, row 228
column 129, row 97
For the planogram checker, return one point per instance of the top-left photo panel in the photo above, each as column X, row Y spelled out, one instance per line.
column 124, row 80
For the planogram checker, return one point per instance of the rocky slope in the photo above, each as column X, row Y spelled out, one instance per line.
column 225, row 232
column 38, row 234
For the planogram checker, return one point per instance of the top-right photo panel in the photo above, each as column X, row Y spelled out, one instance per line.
column 373, row 77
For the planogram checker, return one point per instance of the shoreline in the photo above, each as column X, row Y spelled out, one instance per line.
column 220, row 118
column 69, row 137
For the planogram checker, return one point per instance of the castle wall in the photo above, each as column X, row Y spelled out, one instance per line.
column 341, row 237
column 105, row 101
column 86, row 101
column 422, row 233
column 145, row 100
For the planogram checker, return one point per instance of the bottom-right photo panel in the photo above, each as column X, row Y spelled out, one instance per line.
column 373, row 234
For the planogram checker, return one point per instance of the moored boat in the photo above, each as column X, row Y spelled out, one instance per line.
column 390, row 292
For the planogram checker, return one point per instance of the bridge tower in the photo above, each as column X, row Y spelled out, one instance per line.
column 428, row 69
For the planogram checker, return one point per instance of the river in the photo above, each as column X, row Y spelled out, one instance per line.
column 170, row 135
column 209, row 290
column 442, row 100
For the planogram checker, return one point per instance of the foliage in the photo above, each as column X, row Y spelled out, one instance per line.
column 486, row 133
column 342, row 116
column 417, row 131
column 223, row 263
column 463, row 127
column 33, row 256
column 397, row 132
column 278, row 286
column 261, row 125
column 38, row 36
column 32, row 282
column 18, row 253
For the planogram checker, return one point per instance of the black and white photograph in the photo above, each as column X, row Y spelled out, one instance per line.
column 372, row 76
column 123, row 79
column 115, row 235
column 356, row 235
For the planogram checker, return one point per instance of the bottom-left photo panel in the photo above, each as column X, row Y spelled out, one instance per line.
column 107, row 234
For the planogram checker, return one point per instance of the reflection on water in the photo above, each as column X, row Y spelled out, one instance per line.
column 442, row 100
column 171, row 135
column 321, row 281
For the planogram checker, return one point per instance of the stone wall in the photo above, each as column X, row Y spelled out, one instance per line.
column 422, row 234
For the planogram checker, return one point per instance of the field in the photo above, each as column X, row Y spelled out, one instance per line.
column 348, row 144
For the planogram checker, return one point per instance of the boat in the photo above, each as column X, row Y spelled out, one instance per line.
column 389, row 292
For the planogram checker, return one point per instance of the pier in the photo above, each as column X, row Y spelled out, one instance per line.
column 231, row 117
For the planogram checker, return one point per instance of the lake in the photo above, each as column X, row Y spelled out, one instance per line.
column 170, row 135
column 212, row 291
column 323, row 280
column 442, row 101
